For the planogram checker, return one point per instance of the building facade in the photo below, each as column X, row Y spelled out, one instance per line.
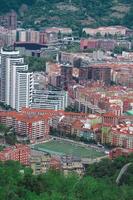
column 24, row 90
column 16, row 82
column 9, row 20
column 28, row 127
column 18, row 152
column 5, row 54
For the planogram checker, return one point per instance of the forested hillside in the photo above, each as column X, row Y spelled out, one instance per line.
column 18, row 183
column 72, row 13
column 7, row 5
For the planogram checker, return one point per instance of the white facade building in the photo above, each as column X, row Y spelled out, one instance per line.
column 5, row 54
column 24, row 90
column 16, row 82
column 10, row 62
column 44, row 99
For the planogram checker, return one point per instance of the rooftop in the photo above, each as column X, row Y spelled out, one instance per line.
column 129, row 112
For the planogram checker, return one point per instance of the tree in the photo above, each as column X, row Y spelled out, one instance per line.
column 119, row 49
column 98, row 35
column 97, row 184
column 59, row 35
column 84, row 35
column 36, row 63
column 10, row 138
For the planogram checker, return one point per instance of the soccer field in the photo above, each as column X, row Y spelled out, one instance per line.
column 67, row 148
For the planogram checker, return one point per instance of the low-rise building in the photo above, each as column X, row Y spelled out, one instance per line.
column 39, row 162
column 72, row 165
column 46, row 99
column 112, row 30
column 79, row 126
column 120, row 135
column 105, row 44
column 51, row 35
column 119, row 152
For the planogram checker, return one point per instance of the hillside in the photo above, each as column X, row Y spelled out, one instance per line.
column 82, row 13
column 18, row 183
column 7, row 5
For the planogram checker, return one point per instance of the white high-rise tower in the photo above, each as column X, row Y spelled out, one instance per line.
column 24, row 89
column 16, row 82
column 5, row 54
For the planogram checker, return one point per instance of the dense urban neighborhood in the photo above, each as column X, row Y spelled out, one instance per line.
column 66, row 101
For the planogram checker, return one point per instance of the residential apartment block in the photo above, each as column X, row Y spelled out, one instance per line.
column 24, row 90
column 7, row 37
column 120, row 135
column 29, row 36
column 16, row 81
column 41, row 162
column 18, row 152
column 50, row 99
column 5, row 54
column 9, row 20
column 118, row 30
column 98, row 98
column 27, row 127
column 116, row 152
column 105, row 44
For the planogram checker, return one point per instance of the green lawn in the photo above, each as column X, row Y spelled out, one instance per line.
column 61, row 147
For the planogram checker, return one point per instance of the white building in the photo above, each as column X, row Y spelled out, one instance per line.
column 56, row 100
column 14, row 66
column 16, row 81
column 5, row 54
column 24, row 90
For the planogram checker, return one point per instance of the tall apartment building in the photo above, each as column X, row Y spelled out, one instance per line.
column 12, row 20
column 16, row 82
column 66, row 75
column 24, row 89
column 11, row 78
column 5, row 54
column 9, row 20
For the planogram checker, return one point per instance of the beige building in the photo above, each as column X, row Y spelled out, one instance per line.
column 72, row 165
column 118, row 30
column 40, row 163
column 29, row 36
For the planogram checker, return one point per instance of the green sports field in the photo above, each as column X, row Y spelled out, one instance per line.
column 67, row 148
